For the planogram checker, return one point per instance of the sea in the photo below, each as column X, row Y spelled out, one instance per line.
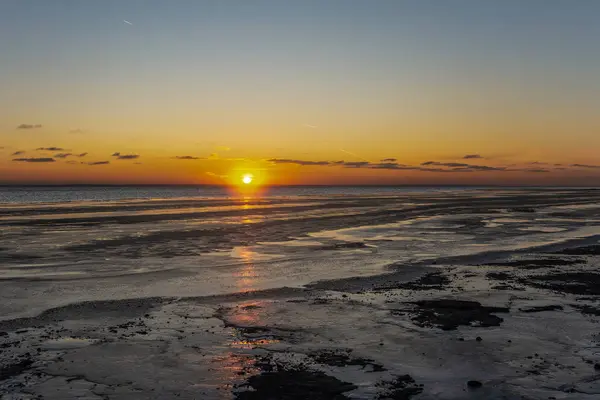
column 58, row 194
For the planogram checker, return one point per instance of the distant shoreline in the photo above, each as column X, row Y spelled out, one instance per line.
column 134, row 185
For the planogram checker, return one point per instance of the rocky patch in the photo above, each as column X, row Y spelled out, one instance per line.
column 292, row 382
column 449, row 314
column 401, row 388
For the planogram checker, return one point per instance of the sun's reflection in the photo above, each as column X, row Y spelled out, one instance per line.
column 231, row 368
column 246, row 276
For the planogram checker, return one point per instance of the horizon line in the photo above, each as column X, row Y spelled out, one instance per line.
column 50, row 185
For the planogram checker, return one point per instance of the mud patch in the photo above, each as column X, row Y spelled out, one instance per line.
column 587, row 310
column 499, row 276
column 292, row 383
column 593, row 250
column 401, row 388
column 340, row 358
column 582, row 283
column 553, row 307
column 14, row 369
column 432, row 281
column 450, row 314
column 345, row 246
column 536, row 263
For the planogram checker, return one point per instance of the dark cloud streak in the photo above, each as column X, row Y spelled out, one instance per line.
column 50, row 149
column 35, row 160
column 29, row 126
column 120, row 156
column 96, row 163
column 186, row 158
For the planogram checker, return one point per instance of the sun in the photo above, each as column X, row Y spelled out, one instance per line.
column 247, row 179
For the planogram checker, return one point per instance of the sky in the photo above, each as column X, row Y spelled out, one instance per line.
column 300, row 92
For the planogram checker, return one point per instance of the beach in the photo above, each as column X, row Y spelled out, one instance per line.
column 452, row 293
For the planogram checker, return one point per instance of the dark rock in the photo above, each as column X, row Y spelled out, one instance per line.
column 474, row 384
column 541, row 308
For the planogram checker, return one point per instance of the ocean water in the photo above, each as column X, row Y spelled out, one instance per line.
column 99, row 243
column 44, row 194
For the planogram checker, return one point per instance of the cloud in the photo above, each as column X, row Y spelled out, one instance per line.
column 385, row 160
column 120, row 156
column 82, row 155
column 537, row 170
column 96, row 163
column 356, row 164
column 297, row 162
column 18, row 153
column 472, row 156
column 585, row 166
column 29, row 126
column 441, row 164
column 427, row 166
column 461, row 167
column 62, row 155
column 35, row 160
column 71, row 162
column 49, row 149
column 186, row 158
column 390, row 165
column 479, row 168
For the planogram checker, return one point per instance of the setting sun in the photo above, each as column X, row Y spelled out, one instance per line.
column 247, row 179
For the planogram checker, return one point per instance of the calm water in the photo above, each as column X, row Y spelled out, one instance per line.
column 115, row 193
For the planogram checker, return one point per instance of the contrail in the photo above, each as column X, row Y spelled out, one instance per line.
column 127, row 22
column 353, row 154
column 310, row 126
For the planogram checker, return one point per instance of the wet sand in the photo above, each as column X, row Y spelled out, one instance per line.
column 483, row 295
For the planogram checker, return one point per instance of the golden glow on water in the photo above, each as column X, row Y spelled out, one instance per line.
column 246, row 276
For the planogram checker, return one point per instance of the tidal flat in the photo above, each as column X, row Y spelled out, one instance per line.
column 448, row 294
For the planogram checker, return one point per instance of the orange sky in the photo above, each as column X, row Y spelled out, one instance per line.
column 233, row 86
